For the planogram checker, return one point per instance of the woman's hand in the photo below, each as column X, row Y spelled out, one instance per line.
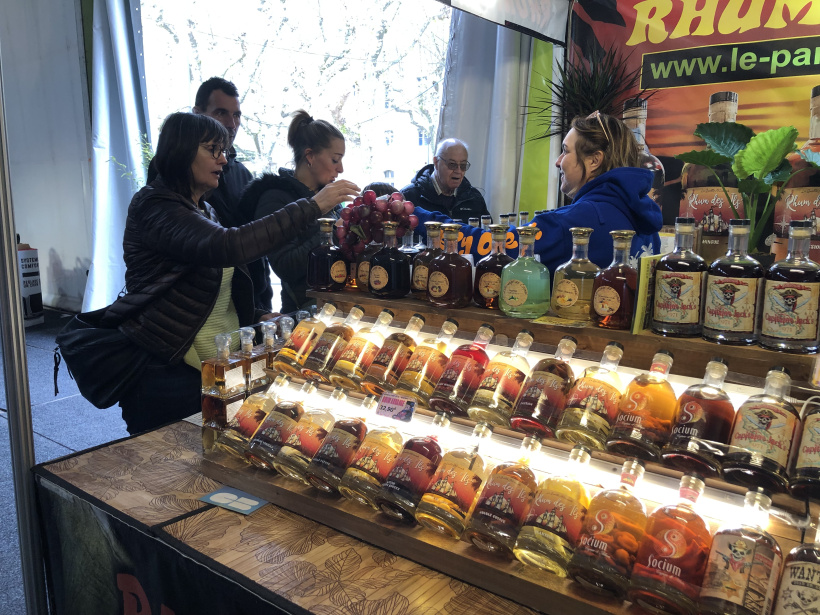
column 334, row 193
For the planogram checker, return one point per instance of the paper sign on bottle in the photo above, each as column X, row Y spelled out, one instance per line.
column 396, row 406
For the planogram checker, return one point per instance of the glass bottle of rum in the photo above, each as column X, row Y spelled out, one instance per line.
column 572, row 283
column 263, row 358
column 613, row 528
column 245, row 354
column 501, row 383
column 296, row 350
column 224, row 375
column 423, row 258
column 730, row 297
column 454, row 487
column 412, row 472
column 544, row 394
column 744, row 563
column 678, row 286
column 635, row 119
column 790, row 297
column 592, row 402
column 327, row 266
column 646, row 413
column 487, row 284
column 613, row 291
column 390, row 268
column 450, row 275
column 672, row 556
column 762, row 434
column 330, row 346
column 552, row 526
column 359, row 353
column 525, row 282
column 363, row 266
column 504, row 502
column 703, row 424
column 804, row 477
column 427, row 364
column 391, row 359
column 800, row 582
column 371, row 465
column 462, row 375
column 307, row 436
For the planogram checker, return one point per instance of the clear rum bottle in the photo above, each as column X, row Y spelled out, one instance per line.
column 359, row 353
column 330, row 346
column 487, row 286
column 525, row 282
column 296, row 350
column 371, row 465
column 224, row 375
column 427, row 364
column 392, row 358
column 613, row 291
column 573, row 281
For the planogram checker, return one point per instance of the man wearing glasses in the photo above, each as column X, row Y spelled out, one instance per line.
column 442, row 186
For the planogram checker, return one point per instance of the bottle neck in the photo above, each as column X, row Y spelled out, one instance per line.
column 499, row 246
column 407, row 240
column 444, row 337
column 521, row 349
column 390, row 240
column 433, row 241
column 715, row 378
column 525, row 250
column 620, row 254
column 799, row 246
column 684, row 241
column 660, row 367
column 353, row 318
column 325, row 239
column 564, row 351
column 413, row 327
column 777, row 385
column 738, row 242
column 451, row 246
column 723, row 111
column 580, row 250
column 610, row 360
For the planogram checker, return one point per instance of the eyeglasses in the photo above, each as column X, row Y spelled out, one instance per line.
column 597, row 116
column 453, row 165
column 216, row 150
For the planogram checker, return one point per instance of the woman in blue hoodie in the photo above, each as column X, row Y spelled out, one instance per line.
column 599, row 170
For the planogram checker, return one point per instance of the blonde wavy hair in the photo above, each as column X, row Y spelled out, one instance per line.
column 611, row 137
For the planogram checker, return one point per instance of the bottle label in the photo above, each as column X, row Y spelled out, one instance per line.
column 300, row 342
column 363, row 274
column 390, row 361
column 677, row 297
column 338, row 271
column 412, row 472
column 797, row 204
column 234, row 378
column 799, row 592
column 742, row 570
column 374, row 458
column 489, row 285
column 808, row 455
column 691, row 422
column 420, row 277
column 427, row 363
column 337, row 450
column 595, row 396
column 514, row 293
column 503, row 502
column 438, row 284
column 730, row 304
column 327, row 344
column 306, row 436
column 606, row 301
column 460, row 379
column 247, row 419
column 539, row 384
column 258, row 370
column 566, row 293
column 458, row 480
column 710, row 209
column 556, row 514
column 378, row 277
column 275, row 429
column 358, row 354
column 766, row 429
column 597, row 539
column 790, row 310
column 500, row 384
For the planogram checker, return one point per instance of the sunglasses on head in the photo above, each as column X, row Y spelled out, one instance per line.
column 597, row 115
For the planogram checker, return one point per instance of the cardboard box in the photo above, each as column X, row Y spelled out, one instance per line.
column 28, row 267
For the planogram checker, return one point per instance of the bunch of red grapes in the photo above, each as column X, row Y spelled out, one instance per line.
column 362, row 221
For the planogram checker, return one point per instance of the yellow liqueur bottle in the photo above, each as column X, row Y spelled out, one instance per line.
column 330, row 346
column 304, row 337
column 371, row 465
column 573, row 281
column 423, row 371
column 392, row 358
column 359, row 353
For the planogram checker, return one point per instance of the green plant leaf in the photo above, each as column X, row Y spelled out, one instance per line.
column 726, row 138
column 752, row 184
column 780, row 174
column 706, row 157
column 765, row 152
column 812, row 157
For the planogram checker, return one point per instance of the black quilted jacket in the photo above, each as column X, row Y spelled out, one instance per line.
column 174, row 255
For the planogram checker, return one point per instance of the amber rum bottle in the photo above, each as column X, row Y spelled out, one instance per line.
column 800, row 583
column 427, row 364
column 422, row 260
column 304, row 337
column 359, row 353
column 544, row 394
column 613, row 529
column 635, row 119
column 391, row 359
column 504, row 502
column 572, row 283
column 804, row 477
column 790, row 297
column 703, row 424
column 744, row 563
column 262, row 359
column 224, row 375
column 679, row 278
column 412, row 472
column 462, row 375
column 390, row 268
column 762, row 434
column 370, row 466
column 525, row 282
column 487, row 284
column 327, row 266
column 552, row 526
column 672, row 556
column 330, row 346
column 455, row 486
column 363, row 266
column 613, row 291
column 450, row 276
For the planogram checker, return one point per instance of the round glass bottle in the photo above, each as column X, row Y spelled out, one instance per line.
column 450, row 275
column 525, row 282
column 572, row 282
column 330, row 346
column 804, row 476
column 427, row 364
column 392, row 358
column 487, row 286
column 327, row 266
column 359, row 353
column 613, row 291
column 422, row 259
column 301, row 341
column 800, row 582
column 390, row 268
column 371, row 465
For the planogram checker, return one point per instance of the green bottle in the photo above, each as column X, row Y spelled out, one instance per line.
column 525, row 283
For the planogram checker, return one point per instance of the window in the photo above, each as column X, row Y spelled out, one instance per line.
column 389, row 175
column 423, row 138
column 388, row 137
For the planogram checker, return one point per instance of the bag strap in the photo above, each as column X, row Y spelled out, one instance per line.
column 58, row 358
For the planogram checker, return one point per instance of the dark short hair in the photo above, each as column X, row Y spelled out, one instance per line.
column 380, row 188
column 306, row 133
column 203, row 94
column 179, row 140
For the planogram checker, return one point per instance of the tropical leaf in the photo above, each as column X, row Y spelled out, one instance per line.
column 752, row 184
column 765, row 152
column 343, row 564
column 394, row 604
column 383, row 558
column 780, row 174
column 726, row 138
column 812, row 157
column 705, row 157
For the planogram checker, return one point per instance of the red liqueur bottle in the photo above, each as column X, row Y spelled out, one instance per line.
column 450, row 275
column 613, row 291
column 487, row 285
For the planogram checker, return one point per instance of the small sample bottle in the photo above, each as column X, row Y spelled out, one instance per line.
column 679, row 278
column 389, row 268
column 412, row 472
column 224, row 375
column 296, row 350
column 327, row 266
column 504, row 220
column 790, row 297
column 671, row 560
column 371, row 465
column 504, row 502
column 730, row 297
column 744, row 563
column 646, row 413
column 523, row 218
column 392, row 358
column 572, row 283
column 454, row 487
column 544, row 393
column 473, row 221
column 525, row 283
column 462, row 375
column 450, row 275
column 359, row 353
column 487, row 285
column 635, row 111
column 613, row 529
column 800, row 581
column 426, row 365
column 551, row 529
column 260, row 379
column 486, row 221
column 762, row 434
column 423, row 258
column 592, row 402
column 703, row 424
column 501, row 383
column 330, row 346
column 613, row 291
column 363, row 265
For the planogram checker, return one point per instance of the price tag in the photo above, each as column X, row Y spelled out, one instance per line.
column 396, row 406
